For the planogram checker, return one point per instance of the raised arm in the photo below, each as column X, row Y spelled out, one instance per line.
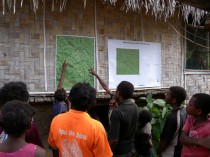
column 64, row 65
column 102, row 83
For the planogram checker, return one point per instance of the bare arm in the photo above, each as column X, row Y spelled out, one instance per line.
column 102, row 83
column 40, row 152
column 113, row 104
column 185, row 139
column 202, row 142
column 162, row 147
column 113, row 143
column 64, row 65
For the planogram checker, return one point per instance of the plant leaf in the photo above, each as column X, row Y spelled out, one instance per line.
column 153, row 121
column 149, row 98
column 164, row 112
column 159, row 102
column 142, row 98
column 150, row 105
column 156, row 112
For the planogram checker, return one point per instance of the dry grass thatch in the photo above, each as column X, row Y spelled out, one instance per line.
column 159, row 8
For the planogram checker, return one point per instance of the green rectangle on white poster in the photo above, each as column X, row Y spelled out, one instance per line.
column 127, row 61
column 79, row 54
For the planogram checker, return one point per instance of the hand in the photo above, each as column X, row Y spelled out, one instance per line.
column 92, row 72
column 113, row 104
column 64, row 65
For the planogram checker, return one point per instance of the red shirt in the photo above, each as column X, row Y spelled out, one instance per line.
column 200, row 131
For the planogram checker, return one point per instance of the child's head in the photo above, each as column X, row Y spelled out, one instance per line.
column 14, row 91
column 125, row 90
column 145, row 117
column 175, row 95
column 16, row 117
column 60, row 94
column 199, row 105
column 82, row 96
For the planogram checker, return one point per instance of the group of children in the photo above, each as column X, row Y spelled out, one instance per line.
column 186, row 129
column 185, row 133
column 18, row 132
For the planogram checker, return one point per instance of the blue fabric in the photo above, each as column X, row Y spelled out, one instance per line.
column 59, row 107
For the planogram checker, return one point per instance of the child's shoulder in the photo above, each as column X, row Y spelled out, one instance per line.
column 146, row 129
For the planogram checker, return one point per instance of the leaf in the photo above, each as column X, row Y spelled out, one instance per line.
column 142, row 98
column 159, row 102
column 156, row 133
column 146, row 108
column 156, row 112
column 150, row 105
column 153, row 121
column 164, row 112
column 149, row 98
column 162, row 122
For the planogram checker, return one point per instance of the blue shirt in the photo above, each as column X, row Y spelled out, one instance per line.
column 59, row 107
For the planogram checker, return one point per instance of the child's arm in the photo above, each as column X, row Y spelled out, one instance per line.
column 102, row 83
column 202, row 142
column 64, row 65
column 161, row 147
column 185, row 139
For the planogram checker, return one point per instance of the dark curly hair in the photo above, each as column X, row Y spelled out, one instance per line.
column 60, row 94
column 13, row 91
column 16, row 117
column 179, row 93
column 125, row 89
column 145, row 116
column 82, row 96
column 202, row 102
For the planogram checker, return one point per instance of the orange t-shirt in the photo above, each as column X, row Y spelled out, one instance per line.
column 76, row 134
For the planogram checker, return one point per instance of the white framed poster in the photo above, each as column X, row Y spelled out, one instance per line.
column 79, row 52
column 134, row 61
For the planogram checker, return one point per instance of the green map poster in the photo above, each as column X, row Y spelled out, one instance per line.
column 127, row 61
column 79, row 54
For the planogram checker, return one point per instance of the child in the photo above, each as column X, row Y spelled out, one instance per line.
column 75, row 133
column 18, row 91
column 59, row 104
column 169, row 145
column 142, row 140
column 196, row 131
column 16, row 118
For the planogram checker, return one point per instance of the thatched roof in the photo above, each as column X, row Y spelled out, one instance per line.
column 159, row 8
column 201, row 4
